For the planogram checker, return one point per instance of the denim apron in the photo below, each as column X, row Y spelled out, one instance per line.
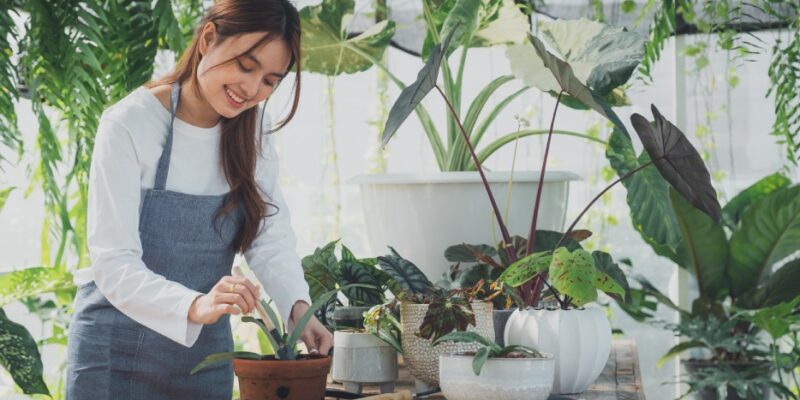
column 111, row 356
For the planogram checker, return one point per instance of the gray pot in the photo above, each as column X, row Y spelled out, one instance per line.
column 349, row 316
column 500, row 317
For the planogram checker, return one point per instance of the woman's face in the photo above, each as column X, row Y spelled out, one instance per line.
column 231, row 80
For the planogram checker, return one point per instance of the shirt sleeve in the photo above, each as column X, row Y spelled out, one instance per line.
column 115, row 247
column 273, row 256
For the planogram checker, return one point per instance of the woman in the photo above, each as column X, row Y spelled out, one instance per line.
column 182, row 179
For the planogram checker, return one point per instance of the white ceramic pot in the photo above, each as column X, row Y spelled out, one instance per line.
column 500, row 378
column 361, row 358
column 421, row 358
column 579, row 339
column 420, row 215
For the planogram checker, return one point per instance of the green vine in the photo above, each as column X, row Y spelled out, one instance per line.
column 784, row 75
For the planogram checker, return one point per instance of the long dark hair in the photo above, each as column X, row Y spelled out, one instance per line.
column 239, row 144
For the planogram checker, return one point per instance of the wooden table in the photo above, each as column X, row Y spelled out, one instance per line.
column 621, row 379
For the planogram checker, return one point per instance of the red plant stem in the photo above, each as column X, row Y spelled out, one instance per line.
column 509, row 245
column 585, row 209
column 532, row 232
column 532, row 290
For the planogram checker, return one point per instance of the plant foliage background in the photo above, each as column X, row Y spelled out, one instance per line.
column 62, row 62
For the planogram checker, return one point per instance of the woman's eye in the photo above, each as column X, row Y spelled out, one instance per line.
column 268, row 83
column 241, row 66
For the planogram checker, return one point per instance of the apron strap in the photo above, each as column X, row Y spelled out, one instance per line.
column 163, row 162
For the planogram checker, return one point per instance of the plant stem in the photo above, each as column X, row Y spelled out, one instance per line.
column 509, row 248
column 531, row 296
column 540, row 184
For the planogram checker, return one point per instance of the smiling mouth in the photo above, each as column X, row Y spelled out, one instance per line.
column 233, row 96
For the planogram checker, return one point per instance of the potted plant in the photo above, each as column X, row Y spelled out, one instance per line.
column 577, row 274
column 324, row 272
column 428, row 312
column 494, row 372
column 269, row 376
column 745, row 274
column 456, row 189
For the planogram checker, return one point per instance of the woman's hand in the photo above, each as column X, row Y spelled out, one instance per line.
column 317, row 338
column 231, row 295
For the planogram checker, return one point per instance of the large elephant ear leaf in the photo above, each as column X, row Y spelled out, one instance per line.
column 768, row 233
column 574, row 274
column 779, row 288
column 325, row 45
column 703, row 249
column 321, row 270
column 20, row 356
column 526, row 268
column 570, row 84
column 412, row 95
column 678, row 162
column 733, row 210
column 405, row 275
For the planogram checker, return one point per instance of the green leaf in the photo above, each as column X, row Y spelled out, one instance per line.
column 222, row 357
column 605, row 264
column 678, row 349
column 480, row 359
column 20, row 356
column 648, row 197
column 405, row 275
column 703, row 250
column 461, row 23
column 769, row 231
column 574, row 274
column 31, row 282
column 276, row 321
column 469, row 252
column 412, row 95
column 678, row 161
column 529, row 352
column 777, row 320
column 325, row 47
column 321, row 270
column 526, row 268
column 274, row 342
column 468, row 337
column 780, row 287
column 732, row 211
column 354, row 272
column 4, row 196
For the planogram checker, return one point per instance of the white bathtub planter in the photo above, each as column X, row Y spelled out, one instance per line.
column 360, row 359
column 494, row 372
column 580, row 340
column 456, row 210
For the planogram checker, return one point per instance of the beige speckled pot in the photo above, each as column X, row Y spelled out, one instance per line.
column 423, row 360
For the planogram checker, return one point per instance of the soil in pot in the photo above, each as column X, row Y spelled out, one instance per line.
column 693, row 366
column 272, row 379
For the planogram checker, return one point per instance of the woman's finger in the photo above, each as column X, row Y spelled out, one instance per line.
column 240, row 288
column 325, row 342
column 252, row 288
column 234, row 299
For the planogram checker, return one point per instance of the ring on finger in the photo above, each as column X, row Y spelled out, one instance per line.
column 233, row 288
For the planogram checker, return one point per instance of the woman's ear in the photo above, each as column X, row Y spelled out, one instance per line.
column 207, row 37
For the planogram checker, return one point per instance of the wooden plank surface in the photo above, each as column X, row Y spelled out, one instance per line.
column 621, row 379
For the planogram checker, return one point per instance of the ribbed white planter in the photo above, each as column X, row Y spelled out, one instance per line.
column 361, row 358
column 579, row 339
column 500, row 378
column 422, row 214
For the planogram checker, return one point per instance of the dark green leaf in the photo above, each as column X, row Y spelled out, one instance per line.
column 405, row 275
column 354, row 272
column 780, row 287
column 321, row 270
column 732, row 211
column 443, row 317
column 20, row 356
column 678, row 161
column 222, row 357
column 605, row 263
column 678, row 349
column 412, row 95
column 469, row 252
column 703, row 250
column 769, row 231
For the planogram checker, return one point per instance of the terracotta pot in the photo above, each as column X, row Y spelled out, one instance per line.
column 281, row 379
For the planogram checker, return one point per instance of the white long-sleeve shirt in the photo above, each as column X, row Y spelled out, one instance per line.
column 129, row 142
